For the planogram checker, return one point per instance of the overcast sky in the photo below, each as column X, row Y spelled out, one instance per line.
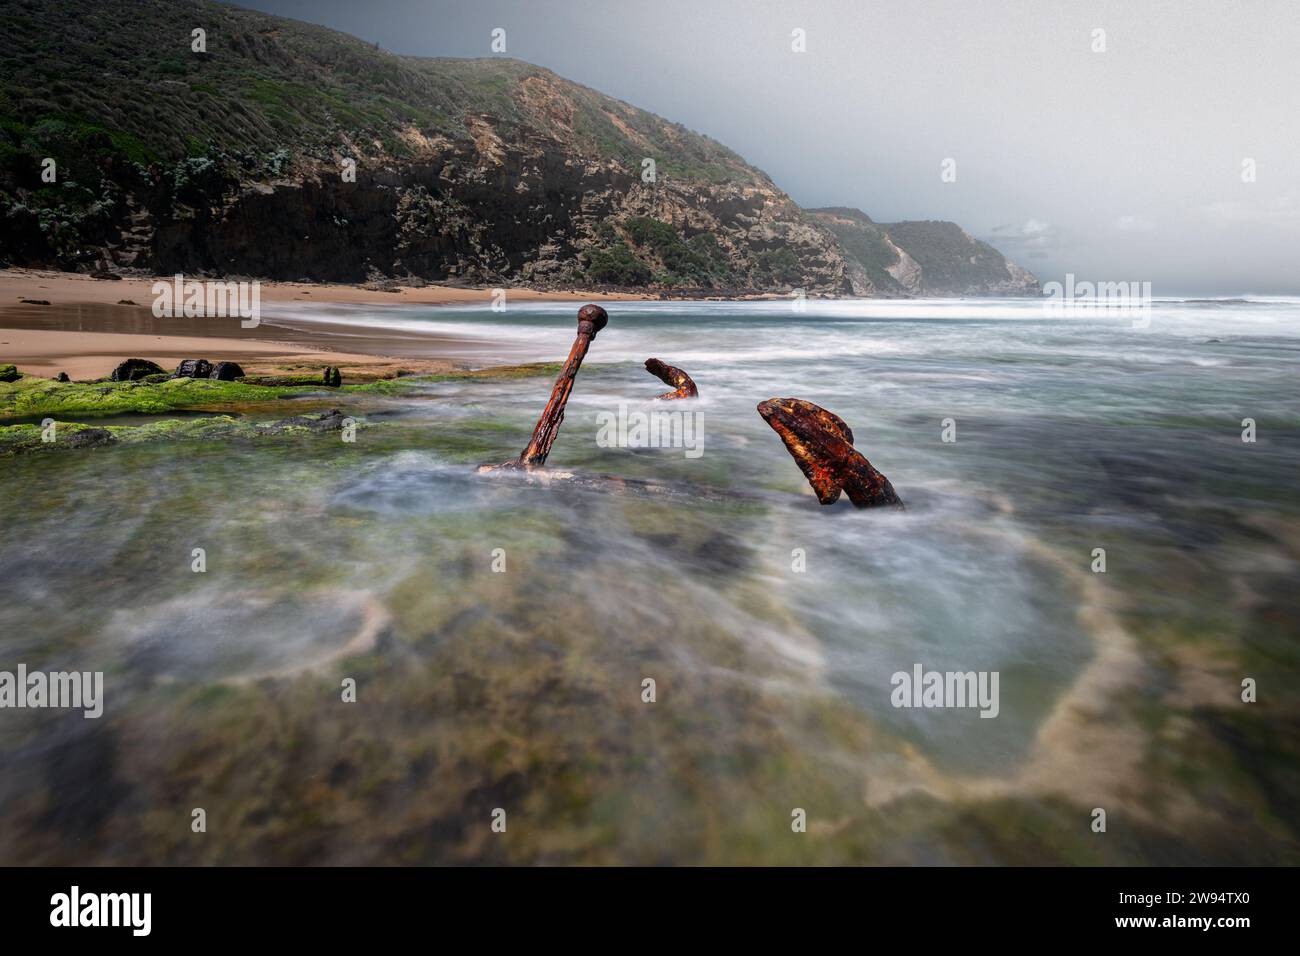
column 1119, row 165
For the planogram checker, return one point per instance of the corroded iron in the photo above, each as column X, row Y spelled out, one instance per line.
column 822, row 446
column 671, row 375
column 591, row 319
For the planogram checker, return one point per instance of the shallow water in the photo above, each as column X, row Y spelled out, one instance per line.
column 521, row 689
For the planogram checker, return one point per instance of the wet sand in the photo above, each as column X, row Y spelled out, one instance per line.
column 38, row 349
column 68, row 287
column 90, row 325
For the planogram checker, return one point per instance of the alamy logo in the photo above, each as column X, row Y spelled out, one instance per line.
column 1073, row 298
column 103, row 909
column 922, row 688
column 657, row 429
column 75, row 689
column 211, row 299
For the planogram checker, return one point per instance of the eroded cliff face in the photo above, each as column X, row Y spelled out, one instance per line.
column 533, row 214
column 477, row 211
column 924, row 258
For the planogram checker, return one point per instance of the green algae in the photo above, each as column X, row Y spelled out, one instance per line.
column 408, row 383
column 18, row 439
column 31, row 396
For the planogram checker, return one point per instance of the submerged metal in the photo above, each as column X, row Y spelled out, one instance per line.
column 822, row 446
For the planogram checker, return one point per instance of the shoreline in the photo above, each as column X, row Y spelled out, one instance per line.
column 80, row 288
column 91, row 325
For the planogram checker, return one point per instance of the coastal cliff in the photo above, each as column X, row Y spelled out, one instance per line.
column 284, row 150
column 926, row 258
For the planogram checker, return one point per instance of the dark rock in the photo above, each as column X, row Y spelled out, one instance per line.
column 125, row 302
column 9, row 373
column 194, row 368
column 35, row 301
column 105, row 274
column 134, row 369
column 90, row 438
column 62, row 377
column 325, row 422
column 332, row 378
column 226, row 371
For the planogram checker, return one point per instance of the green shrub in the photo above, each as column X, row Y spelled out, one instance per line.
column 617, row 265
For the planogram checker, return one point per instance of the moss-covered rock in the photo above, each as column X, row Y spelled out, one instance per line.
column 159, row 394
column 31, row 396
column 320, row 381
column 134, row 369
column 62, row 436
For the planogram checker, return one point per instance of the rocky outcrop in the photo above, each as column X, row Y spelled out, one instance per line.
column 516, row 215
column 226, row 371
column 193, row 368
column 925, row 258
column 135, row 369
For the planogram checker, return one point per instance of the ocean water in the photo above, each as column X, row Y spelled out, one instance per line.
column 501, row 633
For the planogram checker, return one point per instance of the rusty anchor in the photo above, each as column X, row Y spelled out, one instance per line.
column 822, row 446
column 591, row 319
column 671, row 375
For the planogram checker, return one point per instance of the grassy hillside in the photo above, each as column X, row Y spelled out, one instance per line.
column 119, row 78
column 950, row 259
column 229, row 160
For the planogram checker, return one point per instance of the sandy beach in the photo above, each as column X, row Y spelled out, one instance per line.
column 90, row 325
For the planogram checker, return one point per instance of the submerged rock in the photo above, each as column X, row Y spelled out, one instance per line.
column 90, row 438
column 325, row 422
column 330, row 378
column 134, row 369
